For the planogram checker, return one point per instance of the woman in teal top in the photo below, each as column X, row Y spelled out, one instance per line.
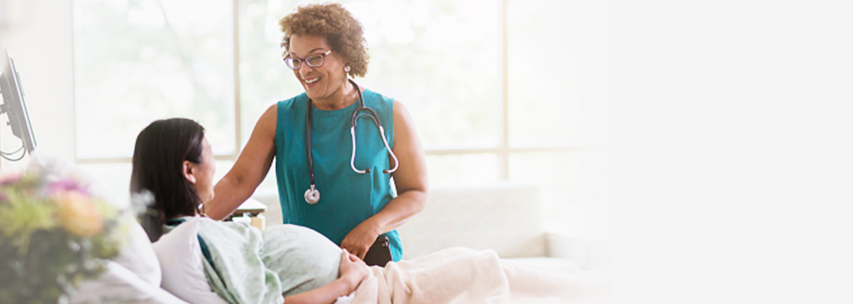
column 323, row 45
column 336, row 213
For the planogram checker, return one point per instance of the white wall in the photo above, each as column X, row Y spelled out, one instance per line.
column 38, row 36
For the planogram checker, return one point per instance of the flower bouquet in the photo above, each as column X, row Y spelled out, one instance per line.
column 53, row 233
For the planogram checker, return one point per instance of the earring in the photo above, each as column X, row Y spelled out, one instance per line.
column 346, row 69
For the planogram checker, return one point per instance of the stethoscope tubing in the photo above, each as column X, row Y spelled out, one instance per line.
column 387, row 147
column 312, row 195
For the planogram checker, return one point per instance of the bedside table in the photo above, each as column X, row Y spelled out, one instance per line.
column 251, row 212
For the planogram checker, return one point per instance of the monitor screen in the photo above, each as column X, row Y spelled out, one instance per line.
column 13, row 103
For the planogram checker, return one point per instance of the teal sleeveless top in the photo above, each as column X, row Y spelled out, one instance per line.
column 346, row 198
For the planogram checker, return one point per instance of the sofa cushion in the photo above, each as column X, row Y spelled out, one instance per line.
column 505, row 217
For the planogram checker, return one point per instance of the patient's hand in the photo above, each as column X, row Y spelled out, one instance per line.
column 353, row 269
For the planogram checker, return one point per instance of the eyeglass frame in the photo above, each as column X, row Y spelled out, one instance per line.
column 301, row 60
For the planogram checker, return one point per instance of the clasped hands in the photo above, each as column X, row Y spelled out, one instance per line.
column 353, row 270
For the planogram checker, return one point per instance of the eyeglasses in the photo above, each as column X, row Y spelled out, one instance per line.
column 314, row 61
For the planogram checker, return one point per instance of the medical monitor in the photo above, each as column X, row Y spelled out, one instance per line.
column 13, row 105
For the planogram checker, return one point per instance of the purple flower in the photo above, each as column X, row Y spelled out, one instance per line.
column 65, row 185
column 10, row 178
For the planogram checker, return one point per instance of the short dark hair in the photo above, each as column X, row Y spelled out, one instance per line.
column 161, row 148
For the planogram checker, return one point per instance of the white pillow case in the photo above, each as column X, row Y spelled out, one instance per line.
column 182, row 264
column 137, row 255
column 131, row 277
column 117, row 284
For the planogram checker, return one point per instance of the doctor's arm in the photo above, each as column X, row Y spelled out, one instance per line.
column 410, row 180
column 248, row 171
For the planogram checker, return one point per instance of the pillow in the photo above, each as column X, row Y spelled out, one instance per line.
column 131, row 277
column 182, row 264
column 117, row 284
column 137, row 255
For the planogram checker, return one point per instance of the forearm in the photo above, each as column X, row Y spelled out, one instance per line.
column 230, row 193
column 399, row 210
column 248, row 171
column 325, row 294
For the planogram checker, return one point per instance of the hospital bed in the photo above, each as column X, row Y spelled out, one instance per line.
column 503, row 217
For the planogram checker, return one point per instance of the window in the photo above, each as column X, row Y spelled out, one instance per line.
column 146, row 60
column 439, row 58
column 499, row 90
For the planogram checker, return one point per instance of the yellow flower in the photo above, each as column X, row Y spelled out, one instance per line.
column 77, row 214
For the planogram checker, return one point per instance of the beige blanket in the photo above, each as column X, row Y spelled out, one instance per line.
column 459, row 275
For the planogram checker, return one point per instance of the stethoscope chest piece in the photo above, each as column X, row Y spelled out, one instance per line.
column 312, row 195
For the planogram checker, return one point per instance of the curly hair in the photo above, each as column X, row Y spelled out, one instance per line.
column 343, row 32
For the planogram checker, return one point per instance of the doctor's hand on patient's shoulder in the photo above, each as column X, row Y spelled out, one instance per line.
column 359, row 240
column 353, row 270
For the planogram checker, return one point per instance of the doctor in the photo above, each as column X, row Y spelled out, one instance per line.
column 337, row 146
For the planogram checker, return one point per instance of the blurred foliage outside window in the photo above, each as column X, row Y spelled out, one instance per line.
column 138, row 61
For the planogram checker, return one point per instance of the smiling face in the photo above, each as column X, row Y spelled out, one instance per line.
column 325, row 85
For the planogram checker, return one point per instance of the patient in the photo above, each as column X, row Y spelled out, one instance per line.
column 173, row 160
column 293, row 264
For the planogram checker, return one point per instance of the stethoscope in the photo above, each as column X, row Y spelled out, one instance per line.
column 312, row 195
